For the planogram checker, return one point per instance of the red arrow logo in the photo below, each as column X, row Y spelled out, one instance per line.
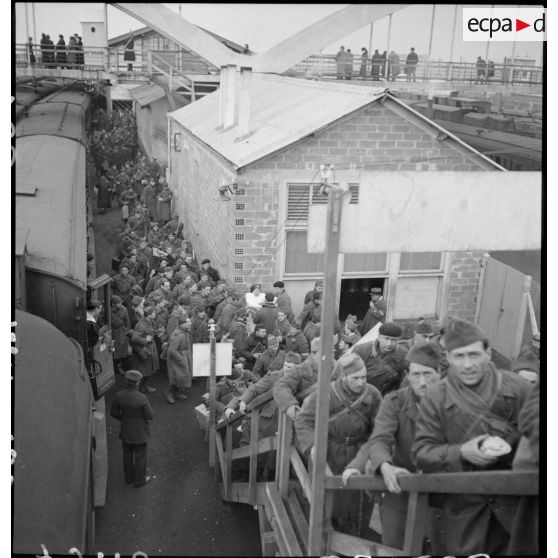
column 519, row 25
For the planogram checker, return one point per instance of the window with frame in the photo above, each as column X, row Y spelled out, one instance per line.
column 420, row 261
column 297, row 259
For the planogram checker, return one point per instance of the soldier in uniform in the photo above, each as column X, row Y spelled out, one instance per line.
column 475, row 407
column 270, row 359
column 179, row 360
column 376, row 313
column 290, row 390
column 388, row 451
column 254, row 345
column 144, row 356
column 120, row 323
column 134, row 412
column 123, row 282
column 353, row 406
column 295, row 341
column 385, row 361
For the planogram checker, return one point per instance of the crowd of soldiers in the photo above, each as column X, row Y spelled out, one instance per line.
column 407, row 399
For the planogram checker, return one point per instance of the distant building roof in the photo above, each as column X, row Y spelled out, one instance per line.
column 121, row 39
column 283, row 110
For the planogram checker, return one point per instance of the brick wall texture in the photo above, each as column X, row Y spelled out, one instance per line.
column 463, row 286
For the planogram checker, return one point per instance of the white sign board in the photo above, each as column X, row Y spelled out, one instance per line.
column 437, row 211
column 200, row 357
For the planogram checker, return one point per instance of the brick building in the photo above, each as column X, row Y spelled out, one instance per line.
column 270, row 151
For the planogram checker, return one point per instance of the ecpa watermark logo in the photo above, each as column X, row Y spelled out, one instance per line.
column 504, row 24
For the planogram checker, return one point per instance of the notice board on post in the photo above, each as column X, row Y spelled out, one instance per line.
column 200, row 359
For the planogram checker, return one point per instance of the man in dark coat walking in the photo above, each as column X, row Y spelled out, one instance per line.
column 133, row 410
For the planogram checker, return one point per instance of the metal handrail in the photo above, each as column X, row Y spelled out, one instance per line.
column 325, row 65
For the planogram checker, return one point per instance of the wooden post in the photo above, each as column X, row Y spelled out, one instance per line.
column 283, row 454
column 212, row 389
column 316, row 531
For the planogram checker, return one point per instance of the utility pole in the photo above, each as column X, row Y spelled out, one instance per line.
column 453, row 33
column 34, row 22
column 317, row 526
column 370, row 39
column 431, row 31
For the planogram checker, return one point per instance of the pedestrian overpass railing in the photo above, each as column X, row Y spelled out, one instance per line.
column 283, row 503
column 325, row 66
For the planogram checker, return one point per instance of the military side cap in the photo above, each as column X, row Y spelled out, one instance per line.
column 391, row 329
column 426, row 354
column 375, row 290
column 460, row 333
column 350, row 363
column 133, row 376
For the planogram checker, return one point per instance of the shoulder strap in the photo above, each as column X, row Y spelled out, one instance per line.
column 348, row 405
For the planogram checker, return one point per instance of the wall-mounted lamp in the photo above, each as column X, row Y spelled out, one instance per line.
column 227, row 189
column 176, row 141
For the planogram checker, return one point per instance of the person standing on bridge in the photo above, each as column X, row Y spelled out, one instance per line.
column 469, row 422
column 411, row 65
column 340, row 62
column 61, row 52
column 134, row 412
column 353, row 405
column 129, row 53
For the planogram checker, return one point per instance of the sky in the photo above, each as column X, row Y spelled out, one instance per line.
column 264, row 25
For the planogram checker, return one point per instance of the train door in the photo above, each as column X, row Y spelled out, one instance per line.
column 101, row 365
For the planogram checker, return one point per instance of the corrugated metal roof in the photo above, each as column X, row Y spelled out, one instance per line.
column 283, row 110
column 57, row 241
column 49, row 118
column 146, row 94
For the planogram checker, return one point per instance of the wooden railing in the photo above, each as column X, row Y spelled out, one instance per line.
column 282, row 503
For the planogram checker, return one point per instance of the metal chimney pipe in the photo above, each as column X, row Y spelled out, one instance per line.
column 244, row 101
column 223, row 94
column 230, row 99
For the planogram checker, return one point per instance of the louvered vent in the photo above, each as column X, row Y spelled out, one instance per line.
column 354, row 189
column 298, row 200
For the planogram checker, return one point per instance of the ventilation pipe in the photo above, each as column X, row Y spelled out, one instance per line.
column 230, row 97
column 244, row 101
column 223, row 85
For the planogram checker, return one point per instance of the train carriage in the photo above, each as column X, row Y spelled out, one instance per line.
column 53, row 440
column 58, row 375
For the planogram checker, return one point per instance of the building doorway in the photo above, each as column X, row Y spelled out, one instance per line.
column 355, row 295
